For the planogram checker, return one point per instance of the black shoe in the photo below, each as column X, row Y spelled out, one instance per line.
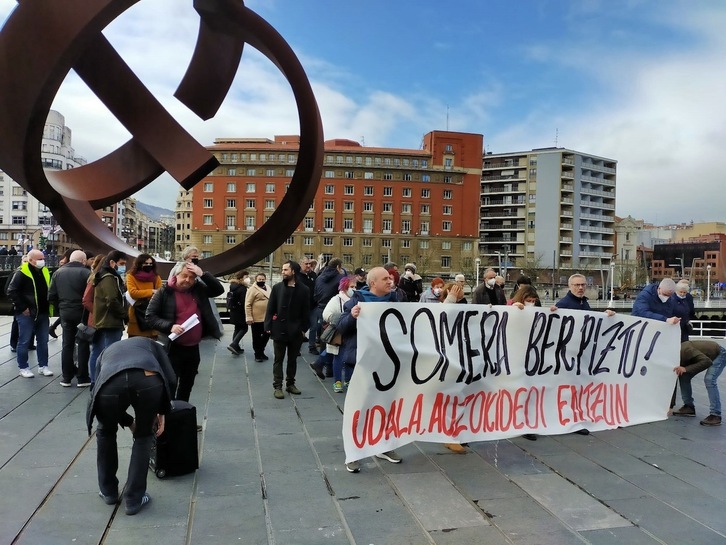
column 13, row 349
column 52, row 333
column 31, row 347
column 314, row 351
column 145, row 500
column 234, row 349
column 583, row 432
column 108, row 500
column 318, row 370
column 259, row 358
column 265, row 357
column 529, row 437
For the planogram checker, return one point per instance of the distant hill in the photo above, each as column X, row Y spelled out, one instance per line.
column 154, row 212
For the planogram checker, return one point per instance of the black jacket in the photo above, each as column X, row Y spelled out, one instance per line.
column 66, row 290
column 288, row 312
column 161, row 312
column 309, row 281
column 326, row 286
column 133, row 353
column 236, row 302
column 483, row 295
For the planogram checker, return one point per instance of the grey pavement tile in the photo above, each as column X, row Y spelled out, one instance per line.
column 575, row 508
column 521, row 516
column 666, row 523
column 705, row 479
column 143, row 532
column 592, row 478
column 223, row 520
column 617, row 460
column 435, row 502
column 382, row 520
column 627, row 441
column 508, row 458
column 476, row 534
column 619, row 536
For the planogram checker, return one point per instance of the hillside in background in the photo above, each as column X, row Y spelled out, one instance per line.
column 154, row 212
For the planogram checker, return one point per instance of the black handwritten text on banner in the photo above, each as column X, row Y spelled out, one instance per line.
column 459, row 373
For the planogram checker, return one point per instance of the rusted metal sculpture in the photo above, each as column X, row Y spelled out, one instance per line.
column 43, row 40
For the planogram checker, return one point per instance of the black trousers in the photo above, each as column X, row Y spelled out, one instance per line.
column 259, row 338
column 131, row 388
column 185, row 361
column 292, row 348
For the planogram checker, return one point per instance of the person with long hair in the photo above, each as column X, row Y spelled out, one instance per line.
column 142, row 282
column 332, row 313
column 526, row 296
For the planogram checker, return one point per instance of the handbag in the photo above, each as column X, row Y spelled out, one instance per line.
column 85, row 333
column 139, row 309
column 331, row 335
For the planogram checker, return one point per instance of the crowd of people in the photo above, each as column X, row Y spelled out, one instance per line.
column 315, row 303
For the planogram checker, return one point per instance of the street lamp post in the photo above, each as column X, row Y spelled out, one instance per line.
column 612, row 288
column 478, row 262
column 708, row 285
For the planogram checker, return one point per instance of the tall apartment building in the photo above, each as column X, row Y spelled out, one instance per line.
column 24, row 220
column 373, row 204
column 550, row 210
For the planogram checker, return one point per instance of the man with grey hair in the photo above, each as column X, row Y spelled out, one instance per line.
column 489, row 292
column 655, row 302
column 66, row 294
column 190, row 254
column 683, row 307
column 28, row 291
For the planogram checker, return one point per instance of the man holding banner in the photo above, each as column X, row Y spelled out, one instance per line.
column 381, row 288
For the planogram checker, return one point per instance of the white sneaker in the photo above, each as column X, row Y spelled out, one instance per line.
column 45, row 371
column 26, row 373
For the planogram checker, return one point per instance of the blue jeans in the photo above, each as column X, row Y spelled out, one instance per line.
column 27, row 325
column 711, row 382
column 316, row 315
column 103, row 339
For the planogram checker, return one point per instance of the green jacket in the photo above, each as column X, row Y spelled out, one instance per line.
column 109, row 311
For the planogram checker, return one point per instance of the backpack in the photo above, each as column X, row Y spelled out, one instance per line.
column 234, row 301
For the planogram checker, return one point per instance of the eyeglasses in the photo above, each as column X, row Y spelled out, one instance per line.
column 579, row 285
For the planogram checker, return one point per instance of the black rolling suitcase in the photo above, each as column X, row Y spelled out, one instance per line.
column 175, row 451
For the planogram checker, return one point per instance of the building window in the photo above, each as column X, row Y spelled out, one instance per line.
column 423, row 244
column 448, row 179
column 327, row 241
column 328, row 223
column 250, row 223
column 425, row 209
column 388, row 207
column 231, row 203
column 467, row 246
column 349, row 174
column 207, row 219
column 446, row 225
column 251, row 172
column 406, row 208
column 424, row 227
column 448, row 194
column 387, row 176
column 406, row 243
column 329, row 205
column 330, row 174
column 406, row 226
column 18, row 220
column 366, row 242
column 348, row 190
column 208, row 187
column 308, row 241
column 367, row 207
column 407, row 177
column 367, row 259
column 446, row 245
column 290, row 240
column 368, row 175
column 447, row 210
column 270, row 172
column 269, row 204
column 231, row 187
column 388, row 191
column 348, row 224
column 348, row 206
column 269, row 188
column 231, row 172
column 425, row 178
column 347, row 241
column 290, row 172
column 386, row 225
column 207, row 239
column 309, row 224
column 249, row 203
column 425, row 193
column 231, row 239
column 368, row 190
column 208, row 203
column 329, row 189
column 445, row 261
column 386, row 243
column 251, row 188
column 367, row 225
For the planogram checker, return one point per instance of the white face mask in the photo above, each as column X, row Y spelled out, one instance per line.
column 529, row 303
column 350, row 292
column 663, row 298
column 680, row 296
column 247, row 281
column 40, row 263
column 491, row 282
column 409, row 274
column 437, row 291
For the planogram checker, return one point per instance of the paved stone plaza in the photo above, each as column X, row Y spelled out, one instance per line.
column 272, row 473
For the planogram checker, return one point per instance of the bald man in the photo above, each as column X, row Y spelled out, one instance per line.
column 28, row 292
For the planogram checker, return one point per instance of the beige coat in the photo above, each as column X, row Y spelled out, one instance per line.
column 256, row 303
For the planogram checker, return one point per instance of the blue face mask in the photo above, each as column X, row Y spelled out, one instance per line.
column 121, row 269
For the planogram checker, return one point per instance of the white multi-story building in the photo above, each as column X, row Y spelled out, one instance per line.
column 549, row 209
column 24, row 220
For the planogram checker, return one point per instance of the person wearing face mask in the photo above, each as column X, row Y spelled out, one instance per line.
column 142, row 283
column 190, row 254
column 411, row 283
column 434, row 293
column 28, row 292
column 236, row 307
column 526, row 296
column 683, row 307
column 109, row 310
column 256, row 300
column 488, row 292
column 654, row 302
column 332, row 313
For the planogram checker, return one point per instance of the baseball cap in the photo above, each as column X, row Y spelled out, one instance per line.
column 360, row 271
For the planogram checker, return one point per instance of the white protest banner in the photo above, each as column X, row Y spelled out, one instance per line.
column 459, row 373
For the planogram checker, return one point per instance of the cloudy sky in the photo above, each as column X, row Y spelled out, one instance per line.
column 638, row 81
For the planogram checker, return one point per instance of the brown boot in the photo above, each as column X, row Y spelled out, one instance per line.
column 455, row 447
